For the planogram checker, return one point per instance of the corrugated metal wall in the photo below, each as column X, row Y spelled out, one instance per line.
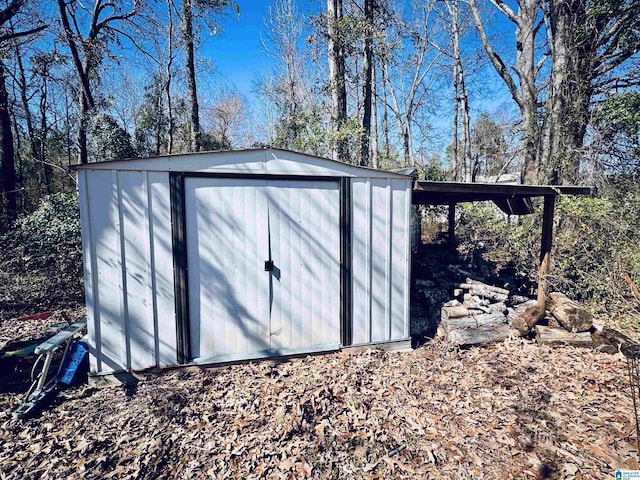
column 127, row 249
column 381, row 259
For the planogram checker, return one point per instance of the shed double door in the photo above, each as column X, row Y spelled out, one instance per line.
column 263, row 261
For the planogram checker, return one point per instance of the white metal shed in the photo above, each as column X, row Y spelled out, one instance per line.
column 222, row 256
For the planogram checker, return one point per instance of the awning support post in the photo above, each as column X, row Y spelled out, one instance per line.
column 452, row 226
column 545, row 247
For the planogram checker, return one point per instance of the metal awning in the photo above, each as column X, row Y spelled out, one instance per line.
column 512, row 199
column 445, row 193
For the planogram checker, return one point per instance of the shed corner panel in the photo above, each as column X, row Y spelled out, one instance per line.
column 381, row 259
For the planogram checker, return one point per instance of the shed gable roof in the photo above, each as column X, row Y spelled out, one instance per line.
column 259, row 161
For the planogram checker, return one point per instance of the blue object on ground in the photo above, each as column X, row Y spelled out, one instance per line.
column 75, row 356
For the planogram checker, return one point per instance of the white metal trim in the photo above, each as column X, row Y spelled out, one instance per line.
column 216, row 163
column 407, row 254
column 370, row 257
column 379, row 343
column 122, row 277
column 388, row 273
column 90, row 272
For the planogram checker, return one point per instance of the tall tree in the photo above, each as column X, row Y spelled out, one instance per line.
column 589, row 41
column 8, row 33
column 207, row 10
column 22, row 84
column 368, row 82
column 88, row 49
column 373, row 134
column 409, row 68
column 169, row 76
column 192, row 89
column 460, row 100
column 151, row 121
column 42, row 64
column 287, row 87
column 525, row 89
column 337, row 76
column 8, row 152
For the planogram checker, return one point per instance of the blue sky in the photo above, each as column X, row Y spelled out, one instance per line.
column 236, row 52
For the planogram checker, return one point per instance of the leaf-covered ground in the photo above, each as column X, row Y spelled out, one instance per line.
column 513, row 410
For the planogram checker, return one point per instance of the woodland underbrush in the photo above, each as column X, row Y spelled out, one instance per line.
column 596, row 248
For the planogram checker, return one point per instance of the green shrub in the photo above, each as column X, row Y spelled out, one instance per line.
column 597, row 250
column 41, row 262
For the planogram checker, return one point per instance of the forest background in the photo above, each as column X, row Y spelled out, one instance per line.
column 544, row 90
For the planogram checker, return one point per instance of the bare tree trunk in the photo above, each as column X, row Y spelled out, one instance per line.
column 81, row 70
column 403, row 120
column 44, row 129
column 526, row 69
column 171, row 125
column 158, row 127
column 385, row 115
column 461, row 101
column 18, row 158
column 367, row 87
column 406, row 142
column 374, row 117
column 169, row 74
column 85, row 95
column 68, row 102
column 337, row 77
column 355, row 89
column 468, row 166
column 22, row 84
column 454, row 128
column 187, row 32
column 8, row 165
column 82, row 130
column 452, row 7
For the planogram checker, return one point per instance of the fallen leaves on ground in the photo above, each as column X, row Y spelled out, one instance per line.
column 513, row 410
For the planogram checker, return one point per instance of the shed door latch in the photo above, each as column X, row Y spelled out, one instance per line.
column 268, row 265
